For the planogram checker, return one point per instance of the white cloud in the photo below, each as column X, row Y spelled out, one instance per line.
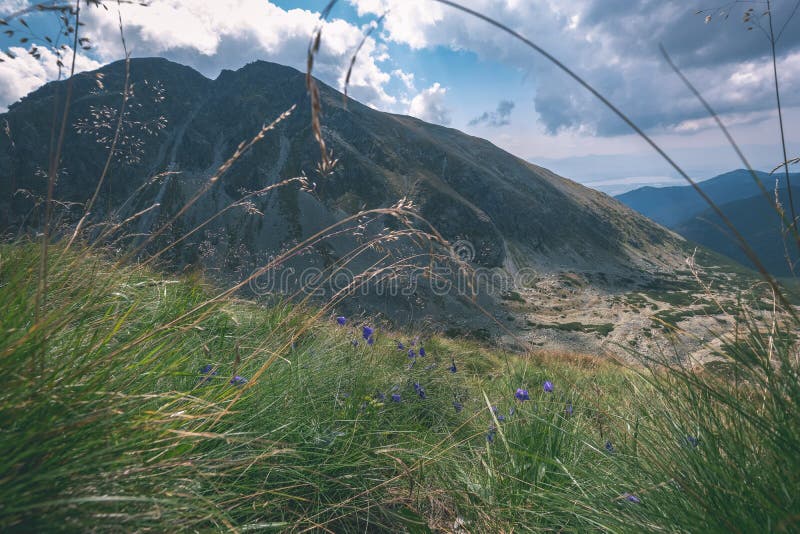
column 21, row 75
column 12, row 6
column 429, row 105
column 614, row 45
column 406, row 77
column 227, row 34
column 211, row 36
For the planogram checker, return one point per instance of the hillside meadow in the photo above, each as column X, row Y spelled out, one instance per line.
column 138, row 401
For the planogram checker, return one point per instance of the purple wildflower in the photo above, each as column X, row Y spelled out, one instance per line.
column 568, row 409
column 501, row 418
column 609, row 447
column 341, row 320
column 411, row 353
column 452, row 367
column 458, row 406
column 208, row 368
column 207, row 371
column 632, row 498
column 366, row 332
column 371, row 341
column 422, row 351
column 396, row 397
column 693, row 441
column 522, row 394
column 491, row 433
column 238, row 380
column 548, row 386
column 400, row 345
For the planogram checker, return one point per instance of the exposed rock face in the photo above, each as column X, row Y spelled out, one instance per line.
column 182, row 126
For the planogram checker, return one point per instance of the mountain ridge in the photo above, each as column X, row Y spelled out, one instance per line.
column 673, row 204
column 736, row 194
column 513, row 213
column 759, row 224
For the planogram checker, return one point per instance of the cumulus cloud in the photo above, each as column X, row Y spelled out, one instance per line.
column 24, row 73
column 429, row 105
column 614, row 45
column 497, row 118
column 227, row 34
column 406, row 77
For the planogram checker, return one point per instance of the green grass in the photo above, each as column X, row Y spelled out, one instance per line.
column 671, row 317
column 513, row 296
column 602, row 329
column 107, row 425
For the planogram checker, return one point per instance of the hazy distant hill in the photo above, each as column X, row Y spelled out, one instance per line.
column 673, row 205
column 514, row 213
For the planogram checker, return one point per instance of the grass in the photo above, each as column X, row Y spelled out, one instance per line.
column 670, row 318
column 136, row 402
column 112, row 426
column 602, row 329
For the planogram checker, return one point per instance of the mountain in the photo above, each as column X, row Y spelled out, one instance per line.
column 759, row 224
column 180, row 127
column 671, row 206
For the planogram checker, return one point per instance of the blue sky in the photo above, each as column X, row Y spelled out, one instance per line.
column 431, row 61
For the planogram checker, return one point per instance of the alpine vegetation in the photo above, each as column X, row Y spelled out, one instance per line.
column 254, row 278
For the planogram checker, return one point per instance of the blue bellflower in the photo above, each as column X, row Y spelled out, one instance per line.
column 366, row 332
column 208, row 368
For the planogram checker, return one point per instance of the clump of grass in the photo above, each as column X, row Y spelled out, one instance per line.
column 129, row 413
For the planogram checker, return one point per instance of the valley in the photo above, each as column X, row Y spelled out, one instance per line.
column 588, row 261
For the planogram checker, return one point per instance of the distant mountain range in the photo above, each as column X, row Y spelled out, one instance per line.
column 180, row 127
column 681, row 209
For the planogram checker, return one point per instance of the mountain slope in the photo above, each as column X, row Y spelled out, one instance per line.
column 757, row 221
column 673, row 205
column 181, row 127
